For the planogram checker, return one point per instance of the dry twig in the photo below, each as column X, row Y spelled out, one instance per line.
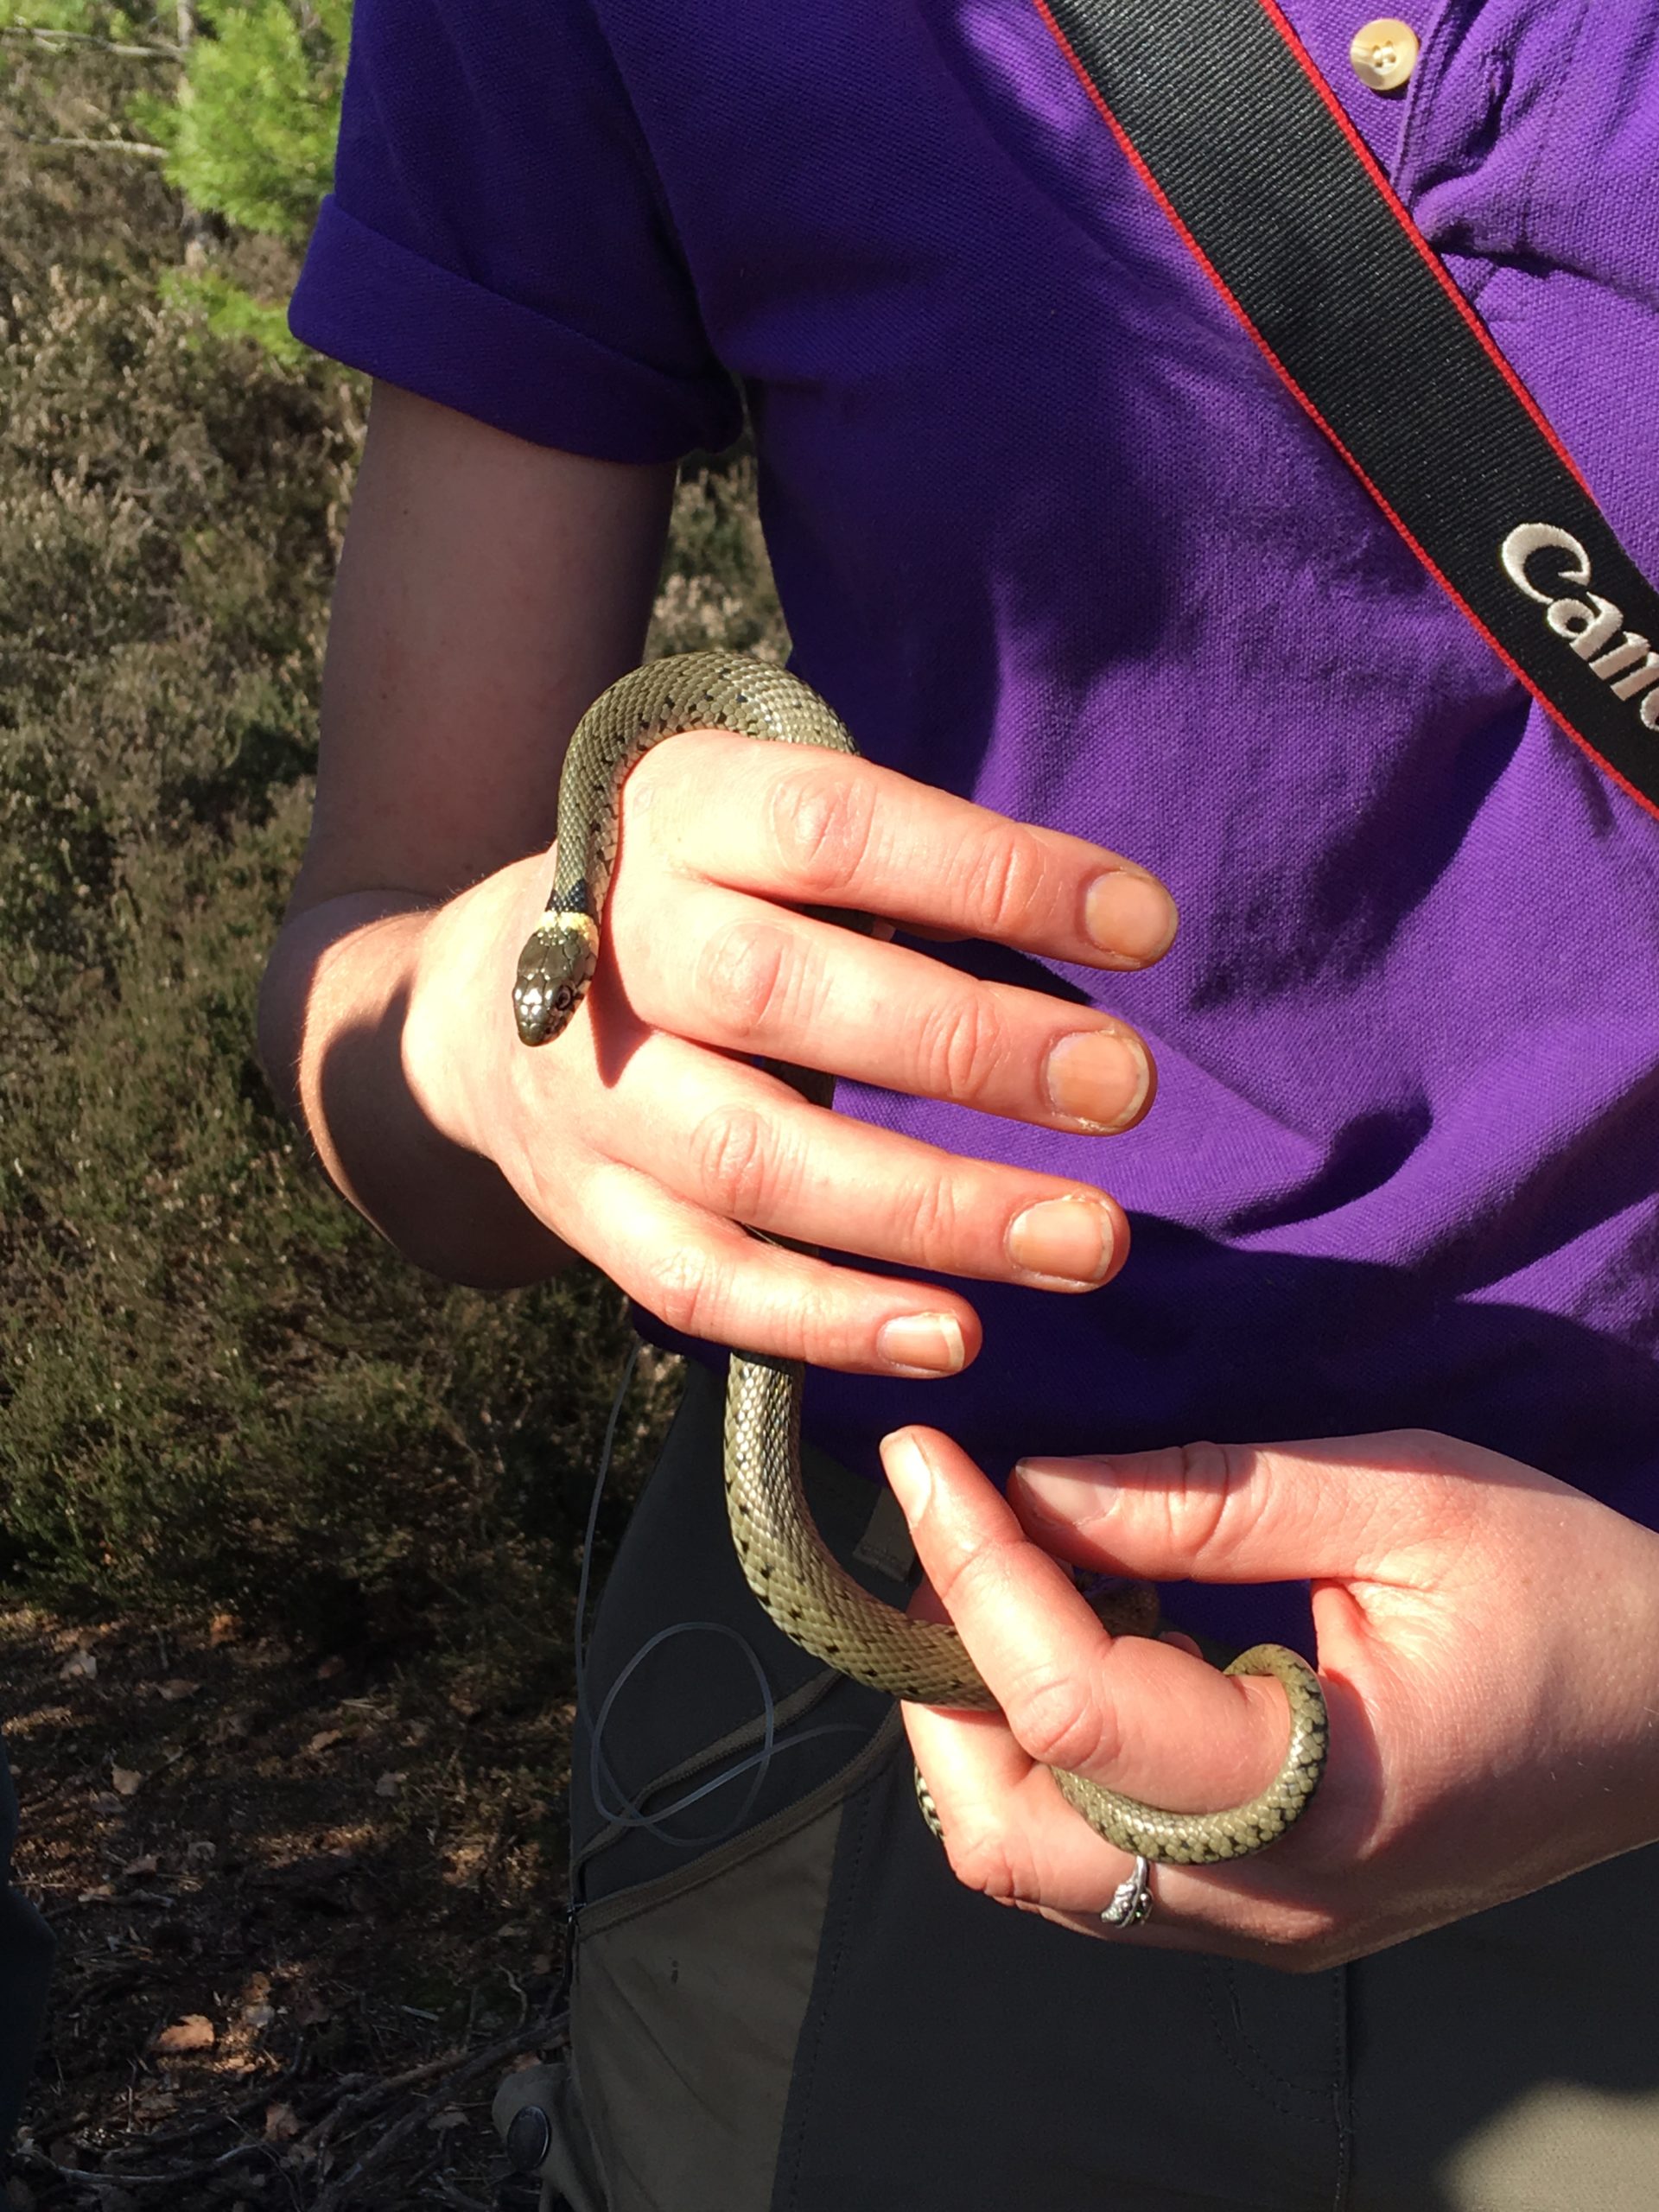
column 450, row 2072
column 335, row 2196
column 98, row 145
column 350, row 2107
column 43, row 34
column 129, row 2178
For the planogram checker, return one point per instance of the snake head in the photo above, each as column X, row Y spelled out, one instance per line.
column 555, row 970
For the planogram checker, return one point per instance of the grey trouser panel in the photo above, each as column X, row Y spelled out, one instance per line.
column 812, row 2015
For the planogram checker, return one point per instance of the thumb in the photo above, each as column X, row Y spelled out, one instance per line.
column 1379, row 1509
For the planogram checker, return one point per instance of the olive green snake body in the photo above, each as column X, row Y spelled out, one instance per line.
column 784, row 1558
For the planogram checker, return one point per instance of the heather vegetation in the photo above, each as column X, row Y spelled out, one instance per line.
column 288, row 1532
column 215, row 1384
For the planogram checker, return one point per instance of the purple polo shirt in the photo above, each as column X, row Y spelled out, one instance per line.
column 1049, row 532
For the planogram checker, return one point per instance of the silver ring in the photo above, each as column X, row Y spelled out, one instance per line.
column 1132, row 1899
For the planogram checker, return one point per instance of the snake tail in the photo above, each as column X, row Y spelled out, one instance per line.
column 1205, row 1839
column 818, row 1605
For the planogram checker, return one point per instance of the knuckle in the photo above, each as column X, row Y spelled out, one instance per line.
column 680, row 1289
column 960, row 1045
column 980, row 1858
column 938, row 1218
column 732, row 1159
column 1057, row 1720
column 743, row 974
column 1197, row 1499
column 1013, row 881
column 821, row 821
column 819, row 1328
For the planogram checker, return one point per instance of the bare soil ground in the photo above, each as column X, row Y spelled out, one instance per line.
column 309, row 1907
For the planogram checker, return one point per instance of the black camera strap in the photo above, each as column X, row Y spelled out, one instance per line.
column 1223, row 114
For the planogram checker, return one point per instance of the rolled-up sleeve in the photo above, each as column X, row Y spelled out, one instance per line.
column 496, row 240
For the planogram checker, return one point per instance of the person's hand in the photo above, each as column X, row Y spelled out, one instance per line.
column 647, row 1138
column 1488, row 1639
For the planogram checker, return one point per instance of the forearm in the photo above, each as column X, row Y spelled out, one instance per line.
column 370, row 1029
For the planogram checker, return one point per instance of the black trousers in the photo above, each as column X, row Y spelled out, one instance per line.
column 789, row 2005
column 26, row 1948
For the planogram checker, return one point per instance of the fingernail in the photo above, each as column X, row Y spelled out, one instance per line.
column 923, row 1343
column 1052, row 1492
column 1130, row 915
column 1099, row 1078
column 908, row 1472
column 1069, row 1240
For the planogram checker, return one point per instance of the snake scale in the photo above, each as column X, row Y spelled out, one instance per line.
column 785, row 1561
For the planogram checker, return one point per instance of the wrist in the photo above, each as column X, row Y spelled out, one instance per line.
column 370, row 1040
column 1605, row 1729
column 458, row 1040
column 1642, row 1632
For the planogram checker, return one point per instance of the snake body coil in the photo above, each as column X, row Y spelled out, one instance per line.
column 785, row 1559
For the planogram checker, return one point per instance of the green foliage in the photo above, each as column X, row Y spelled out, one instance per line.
column 227, row 311
column 250, row 132
column 241, row 101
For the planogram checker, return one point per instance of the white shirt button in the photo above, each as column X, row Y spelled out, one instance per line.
column 1383, row 52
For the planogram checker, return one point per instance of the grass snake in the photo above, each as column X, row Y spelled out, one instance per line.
column 785, row 1561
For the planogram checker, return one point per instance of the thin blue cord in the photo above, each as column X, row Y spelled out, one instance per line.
column 611, row 1801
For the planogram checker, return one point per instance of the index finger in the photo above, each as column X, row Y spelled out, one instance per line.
column 831, row 830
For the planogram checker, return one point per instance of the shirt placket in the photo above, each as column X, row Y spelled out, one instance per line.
column 1378, row 61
